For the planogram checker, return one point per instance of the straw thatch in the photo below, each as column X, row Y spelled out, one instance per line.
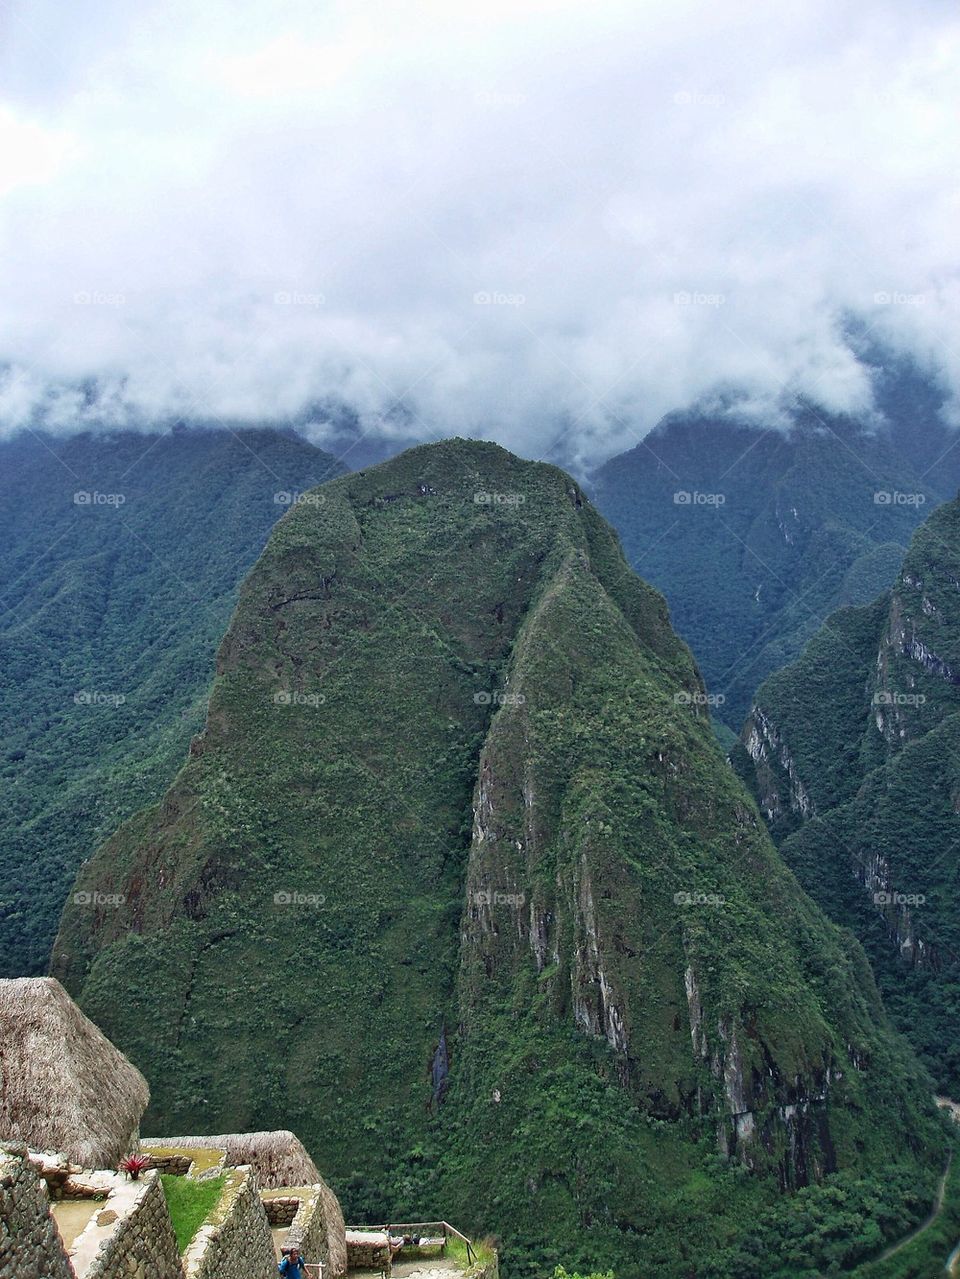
column 336, row 1233
column 280, row 1158
column 63, row 1086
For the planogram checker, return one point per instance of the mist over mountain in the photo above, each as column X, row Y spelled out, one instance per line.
column 756, row 535
column 480, row 623
column 514, row 228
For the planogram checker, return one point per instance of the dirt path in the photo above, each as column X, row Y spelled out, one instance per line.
column 427, row 1269
column 924, row 1225
column 424, row 1268
column 945, row 1103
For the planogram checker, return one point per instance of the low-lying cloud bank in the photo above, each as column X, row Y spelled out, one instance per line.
column 534, row 221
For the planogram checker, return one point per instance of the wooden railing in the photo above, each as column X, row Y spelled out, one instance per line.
column 421, row 1228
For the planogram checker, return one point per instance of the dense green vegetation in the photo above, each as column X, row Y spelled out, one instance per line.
column 926, row 1254
column 827, row 1229
column 870, row 718
column 788, row 525
column 456, row 884
column 560, row 1273
column 190, row 1203
column 110, row 613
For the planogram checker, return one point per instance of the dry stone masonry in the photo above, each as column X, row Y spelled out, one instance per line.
column 131, row 1237
column 235, row 1241
column 125, row 1230
column 368, row 1249
column 30, row 1246
column 316, row 1224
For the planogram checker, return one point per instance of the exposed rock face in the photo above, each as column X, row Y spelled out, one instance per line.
column 595, row 1007
column 903, row 634
column 457, row 772
column 869, row 717
column 769, row 752
column 873, row 872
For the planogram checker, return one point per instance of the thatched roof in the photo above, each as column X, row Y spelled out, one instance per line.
column 63, row 1085
column 280, row 1158
column 336, row 1234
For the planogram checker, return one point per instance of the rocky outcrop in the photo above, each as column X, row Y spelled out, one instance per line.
column 897, row 909
column 774, row 765
column 761, row 1113
column 914, row 647
column 595, row 1007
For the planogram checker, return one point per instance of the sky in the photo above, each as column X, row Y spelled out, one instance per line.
column 539, row 222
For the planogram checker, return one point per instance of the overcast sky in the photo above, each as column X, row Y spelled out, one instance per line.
column 511, row 218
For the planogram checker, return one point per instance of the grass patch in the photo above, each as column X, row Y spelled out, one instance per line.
column 190, row 1203
column 203, row 1158
column 457, row 1251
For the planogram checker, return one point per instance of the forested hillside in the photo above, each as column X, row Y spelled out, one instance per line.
column 854, row 754
column 120, row 555
column 458, row 871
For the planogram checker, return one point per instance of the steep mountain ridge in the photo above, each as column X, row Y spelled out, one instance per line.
column 459, row 872
column 854, row 754
column 756, row 535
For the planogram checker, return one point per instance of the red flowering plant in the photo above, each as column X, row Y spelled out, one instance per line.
column 134, row 1165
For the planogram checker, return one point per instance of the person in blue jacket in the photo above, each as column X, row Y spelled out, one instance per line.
column 293, row 1265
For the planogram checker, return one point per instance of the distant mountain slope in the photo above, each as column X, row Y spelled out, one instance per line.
column 756, row 536
column 457, row 884
column 854, row 754
column 120, row 555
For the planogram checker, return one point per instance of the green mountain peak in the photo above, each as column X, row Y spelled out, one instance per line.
column 456, row 884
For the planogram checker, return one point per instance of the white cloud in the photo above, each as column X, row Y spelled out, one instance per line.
column 237, row 209
column 31, row 154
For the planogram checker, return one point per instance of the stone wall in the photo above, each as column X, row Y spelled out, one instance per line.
column 279, row 1158
column 30, row 1246
column 316, row 1225
column 235, row 1241
column 280, row 1208
column 368, row 1250
column 131, row 1237
column 199, row 1162
column 484, row 1270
